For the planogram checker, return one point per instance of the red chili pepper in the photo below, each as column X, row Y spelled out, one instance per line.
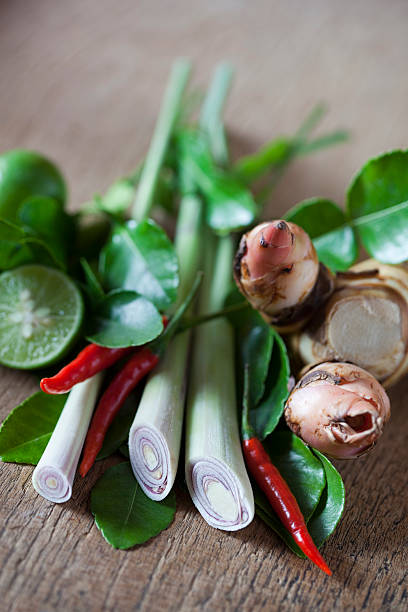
column 281, row 499
column 91, row 360
column 275, row 487
column 123, row 383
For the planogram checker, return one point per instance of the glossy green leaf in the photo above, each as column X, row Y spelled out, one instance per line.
column 118, row 432
column 330, row 508
column 263, row 352
column 124, row 318
column 299, row 467
column 304, row 474
column 27, row 429
column 229, row 204
column 44, row 218
column 140, row 257
column 326, row 224
column 265, row 415
column 123, row 513
column 377, row 201
column 254, row 341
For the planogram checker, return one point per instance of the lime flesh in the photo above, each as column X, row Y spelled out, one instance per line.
column 41, row 312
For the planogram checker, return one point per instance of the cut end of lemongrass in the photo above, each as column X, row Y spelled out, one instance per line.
column 55, row 472
column 218, row 495
column 150, row 460
column 52, row 484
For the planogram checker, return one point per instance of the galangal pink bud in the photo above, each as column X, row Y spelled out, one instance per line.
column 277, row 269
column 339, row 409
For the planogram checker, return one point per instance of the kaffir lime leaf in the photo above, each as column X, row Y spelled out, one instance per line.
column 41, row 312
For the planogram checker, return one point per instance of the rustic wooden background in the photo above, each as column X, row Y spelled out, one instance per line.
column 81, row 80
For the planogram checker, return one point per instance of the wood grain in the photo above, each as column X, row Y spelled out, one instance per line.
column 82, row 81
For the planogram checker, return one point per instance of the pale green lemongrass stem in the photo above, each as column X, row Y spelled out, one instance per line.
column 167, row 117
column 211, row 113
column 55, row 472
column 215, row 471
column 155, row 435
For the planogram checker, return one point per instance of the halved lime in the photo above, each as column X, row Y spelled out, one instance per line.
column 41, row 312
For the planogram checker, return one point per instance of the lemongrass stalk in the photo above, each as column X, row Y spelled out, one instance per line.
column 55, row 472
column 168, row 114
column 211, row 113
column 215, row 471
column 155, row 435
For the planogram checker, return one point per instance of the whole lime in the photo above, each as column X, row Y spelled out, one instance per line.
column 24, row 174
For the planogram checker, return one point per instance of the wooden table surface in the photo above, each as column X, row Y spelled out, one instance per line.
column 81, row 80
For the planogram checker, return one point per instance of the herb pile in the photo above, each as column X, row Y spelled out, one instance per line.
column 139, row 291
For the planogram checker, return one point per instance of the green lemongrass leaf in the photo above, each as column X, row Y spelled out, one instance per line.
column 168, row 115
column 124, row 318
column 265, row 415
column 310, row 123
column 377, row 201
column 140, row 257
column 92, row 287
column 44, row 218
column 27, row 429
column 326, row 224
column 330, row 508
column 304, row 475
column 272, row 154
column 118, row 432
column 322, row 142
column 13, row 250
column 123, row 513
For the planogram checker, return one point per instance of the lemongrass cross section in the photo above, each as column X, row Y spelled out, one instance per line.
column 155, row 435
column 55, row 472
